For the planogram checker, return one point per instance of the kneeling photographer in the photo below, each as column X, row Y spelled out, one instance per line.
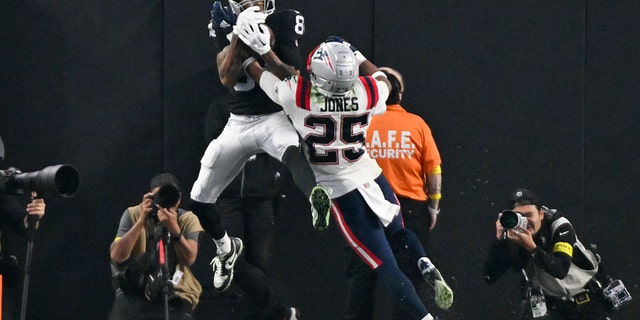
column 155, row 245
column 561, row 279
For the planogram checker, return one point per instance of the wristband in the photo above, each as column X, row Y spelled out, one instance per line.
column 379, row 74
column 247, row 62
column 435, row 196
column 176, row 237
column 433, row 211
column 359, row 57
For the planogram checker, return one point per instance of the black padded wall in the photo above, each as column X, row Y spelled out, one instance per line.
column 540, row 94
column 81, row 84
column 501, row 85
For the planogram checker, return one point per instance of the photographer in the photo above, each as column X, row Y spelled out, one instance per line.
column 561, row 278
column 14, row 216
column 145, row 283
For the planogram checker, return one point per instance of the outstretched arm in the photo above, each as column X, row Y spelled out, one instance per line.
column 365, row 67
column 267, row 80
column 275, row 66
column 230, row 52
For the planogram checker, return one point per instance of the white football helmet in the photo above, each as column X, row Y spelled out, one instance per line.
column 240, row 5
column 332, row 68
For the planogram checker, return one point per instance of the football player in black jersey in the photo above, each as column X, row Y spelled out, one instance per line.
column 256, row 124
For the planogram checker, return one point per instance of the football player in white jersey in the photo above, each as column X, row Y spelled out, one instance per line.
column 331, row 111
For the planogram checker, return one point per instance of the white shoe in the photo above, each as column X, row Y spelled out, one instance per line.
column 222, row 265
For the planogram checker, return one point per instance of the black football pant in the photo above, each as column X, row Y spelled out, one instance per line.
column 251, row 219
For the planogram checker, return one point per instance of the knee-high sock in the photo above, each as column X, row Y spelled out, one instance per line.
column 401, row 289
column 405, row 242
column 300, row 170
column 209, row 217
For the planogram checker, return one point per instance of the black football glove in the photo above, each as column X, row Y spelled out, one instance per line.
column 222, row 20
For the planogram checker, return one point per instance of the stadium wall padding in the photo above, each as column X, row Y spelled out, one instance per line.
column 536, row 94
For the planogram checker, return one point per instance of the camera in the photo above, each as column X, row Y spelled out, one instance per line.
column 128, row 276
column 167, row 196
column 156, row 286
column 60, row 180
column 513, row 220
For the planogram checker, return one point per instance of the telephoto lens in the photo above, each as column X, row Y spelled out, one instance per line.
column 512, row 220
column 167, row 196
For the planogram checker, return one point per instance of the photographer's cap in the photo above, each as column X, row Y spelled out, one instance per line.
column 164, row 179
column 523, row 197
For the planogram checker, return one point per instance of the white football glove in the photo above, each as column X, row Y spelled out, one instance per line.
column 248, row 15
column 255, row 35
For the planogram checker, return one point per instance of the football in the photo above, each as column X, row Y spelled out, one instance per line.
column 273, row 36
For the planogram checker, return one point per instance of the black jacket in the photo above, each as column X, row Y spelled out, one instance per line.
column 12, row 213
column 504, row 254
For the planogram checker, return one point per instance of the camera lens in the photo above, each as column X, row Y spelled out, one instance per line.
column 509, row 219
column 167, row 196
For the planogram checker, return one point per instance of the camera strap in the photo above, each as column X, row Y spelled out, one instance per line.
column 535, row 297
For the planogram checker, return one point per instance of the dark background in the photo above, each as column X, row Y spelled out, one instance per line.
column 536, row 94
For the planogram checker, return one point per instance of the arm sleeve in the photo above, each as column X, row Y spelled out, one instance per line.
column 557, row 262
column 190, row 225
column 125, row 224
column 269, row 84
column 383, row 94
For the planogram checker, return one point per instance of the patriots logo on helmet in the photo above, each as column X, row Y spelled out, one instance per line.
column 332, row 68
column 323, row 55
